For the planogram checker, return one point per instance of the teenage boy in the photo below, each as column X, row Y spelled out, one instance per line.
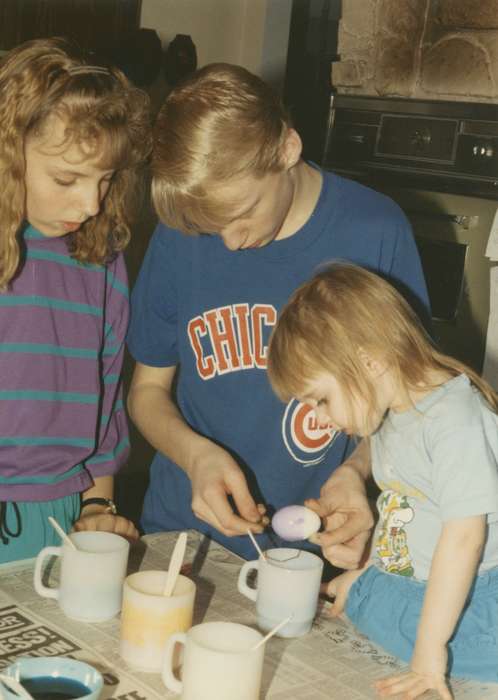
column 245, row 221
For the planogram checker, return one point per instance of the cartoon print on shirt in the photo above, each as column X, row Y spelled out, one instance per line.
column 391, row 544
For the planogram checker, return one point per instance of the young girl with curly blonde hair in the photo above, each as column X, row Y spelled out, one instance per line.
column 74, row 135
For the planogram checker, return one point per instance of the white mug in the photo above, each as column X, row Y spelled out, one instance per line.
column 219, row 662
column 91, row 576
column 288, row 584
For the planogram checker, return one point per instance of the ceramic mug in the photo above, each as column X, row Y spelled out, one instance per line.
column 288, row 584
column 55, row 676
column 149, row 618
column 219, row 662
column 91, row 576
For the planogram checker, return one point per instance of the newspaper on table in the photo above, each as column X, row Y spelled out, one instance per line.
column 332, row 661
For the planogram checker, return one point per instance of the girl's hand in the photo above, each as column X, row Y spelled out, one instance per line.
column 348, row 520
column 427, row 672
column 108, row 523
column 411, row 685
column 338, row 588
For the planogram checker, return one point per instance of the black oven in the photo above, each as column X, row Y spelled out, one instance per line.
column 439, row 161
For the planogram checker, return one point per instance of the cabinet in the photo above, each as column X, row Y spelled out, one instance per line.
column 92, row 23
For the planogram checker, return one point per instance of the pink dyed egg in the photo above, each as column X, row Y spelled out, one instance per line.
column 294, row 523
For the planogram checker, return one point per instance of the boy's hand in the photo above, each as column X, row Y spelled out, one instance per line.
column 215, row 476
column 347, row 517
column 427, row 672
column 108, row 522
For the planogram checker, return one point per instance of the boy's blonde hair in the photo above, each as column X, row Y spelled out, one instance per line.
column 102, row 111
column 219, row 125
column 339, row 315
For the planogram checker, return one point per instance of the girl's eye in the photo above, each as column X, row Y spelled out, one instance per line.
column 321, row 402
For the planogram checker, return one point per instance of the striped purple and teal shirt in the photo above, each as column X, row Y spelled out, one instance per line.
column 62, row 329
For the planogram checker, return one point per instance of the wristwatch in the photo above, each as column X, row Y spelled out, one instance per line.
column 110, row 505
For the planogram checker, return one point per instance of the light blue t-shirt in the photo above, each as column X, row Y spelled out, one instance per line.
column 434, row 463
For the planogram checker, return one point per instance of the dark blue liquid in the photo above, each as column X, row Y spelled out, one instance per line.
column 48, row 688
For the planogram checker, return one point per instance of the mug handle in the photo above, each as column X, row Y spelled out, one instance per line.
column 250, row 593
column 42, row 590
column 168, row 677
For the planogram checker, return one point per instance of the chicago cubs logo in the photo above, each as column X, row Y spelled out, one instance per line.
column 306, row 440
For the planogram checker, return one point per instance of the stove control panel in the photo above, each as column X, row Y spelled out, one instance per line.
column 452, row 145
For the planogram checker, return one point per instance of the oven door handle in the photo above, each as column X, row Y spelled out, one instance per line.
column 466, row 221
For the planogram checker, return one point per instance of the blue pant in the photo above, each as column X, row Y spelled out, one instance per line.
column 387, row 608
column 24, row 527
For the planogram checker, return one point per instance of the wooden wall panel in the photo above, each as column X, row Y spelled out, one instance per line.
column 93, row 23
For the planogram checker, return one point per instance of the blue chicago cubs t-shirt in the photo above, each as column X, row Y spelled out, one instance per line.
column 211, row 310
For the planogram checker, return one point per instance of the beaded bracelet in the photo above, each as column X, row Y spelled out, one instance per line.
column 111, row 506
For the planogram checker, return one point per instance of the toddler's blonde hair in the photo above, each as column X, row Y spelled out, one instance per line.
column 342, row 312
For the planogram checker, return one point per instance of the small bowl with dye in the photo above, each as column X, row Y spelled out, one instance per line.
column 54, row 678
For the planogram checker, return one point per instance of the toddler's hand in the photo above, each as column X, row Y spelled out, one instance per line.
column 410, row 685
column 347, row 517
column 427, row 672
column 338, row 588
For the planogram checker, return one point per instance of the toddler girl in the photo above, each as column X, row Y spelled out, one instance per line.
column 349, row 345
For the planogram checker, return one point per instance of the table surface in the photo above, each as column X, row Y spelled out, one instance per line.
column 332, row 661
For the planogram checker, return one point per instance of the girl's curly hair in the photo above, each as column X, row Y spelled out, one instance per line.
column 102, row 112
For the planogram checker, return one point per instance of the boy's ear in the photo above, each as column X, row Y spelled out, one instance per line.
column 292, row 148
